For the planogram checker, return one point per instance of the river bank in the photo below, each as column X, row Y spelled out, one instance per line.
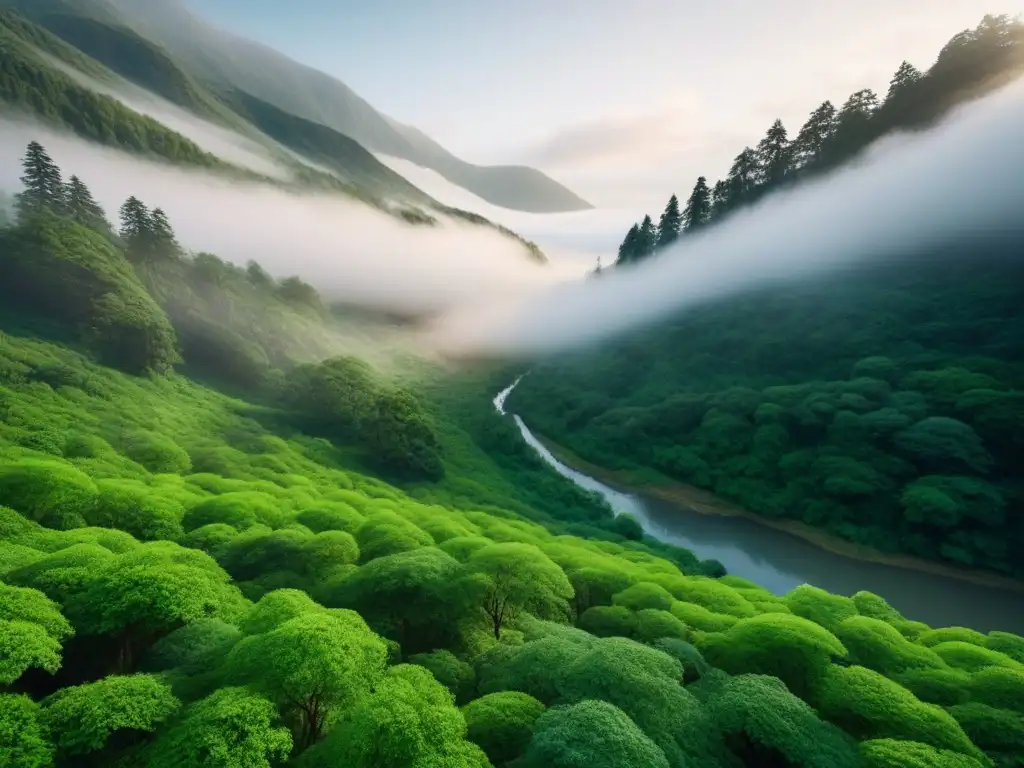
column 705, row 503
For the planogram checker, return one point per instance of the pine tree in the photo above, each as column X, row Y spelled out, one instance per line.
column 83, row 208
column 630, row 246
column 670, row 224
column 905, row 76
column 44, row 189
column 164, row 243
column 136, row 229
column 698, row 207
column 743, row 176
column 647, row 239
column 774, row 154
column 814, row 135
column 720, row 202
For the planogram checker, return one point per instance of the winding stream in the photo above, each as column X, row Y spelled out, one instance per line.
column 780, row 561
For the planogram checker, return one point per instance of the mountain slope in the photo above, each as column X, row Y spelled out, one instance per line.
column 231, row 62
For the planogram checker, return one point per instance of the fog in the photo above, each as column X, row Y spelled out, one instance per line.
column 348, row 250
column 963, row 179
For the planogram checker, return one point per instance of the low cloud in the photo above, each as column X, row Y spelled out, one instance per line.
column 960, row 180
column 348, row 250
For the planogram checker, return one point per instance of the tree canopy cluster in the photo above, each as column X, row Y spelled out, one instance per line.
column 972, row 63
column 224, row 544
column 180, row 586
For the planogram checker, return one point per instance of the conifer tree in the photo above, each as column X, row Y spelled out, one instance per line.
column 628, row 247
column 647, row 239
column 814, row 135
column 163, row 241
column 136, row 229
column 720, row 202
column 83, row 208
column 44, row 189
column 774, row 154
column 905, row 76
column 670, row 224
column 743, row 176
column 698, row 207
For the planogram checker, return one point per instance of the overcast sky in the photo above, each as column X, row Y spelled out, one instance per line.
column 625, row 102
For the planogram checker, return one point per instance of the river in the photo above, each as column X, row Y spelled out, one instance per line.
column 780, row 561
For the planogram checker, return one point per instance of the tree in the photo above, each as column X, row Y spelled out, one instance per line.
column 407, row 721
column 402, row 437
column 231, row 728
column 854, row 129
column 136, row 229
column 83, row 208
column 44, row 188
column 515, row 577
column 164, row 243
column 591, row 733
column 815, row 134
column 670, row 223
column 31, row 632
column 502, row 723
column 311, row 666
column 774, row 154
column 647, row 239
column 744, row 175
column 144, row 594
column 720, row 199
column 84, row 718
column 412, row 597
column 698, row 206
column 630, row 246
column 905, row 76
column 24, row 742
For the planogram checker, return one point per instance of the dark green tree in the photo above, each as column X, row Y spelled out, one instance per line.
column 630, row 246
column 136, row 229
column 720, row 199
column 905, row 76
column 647, row 239
column 670, row 223
column 44, row 189
column 161, row 235
column 744, row 175
column 698, row 207
column 814, row 135
column 83, row 208
column 774, row 154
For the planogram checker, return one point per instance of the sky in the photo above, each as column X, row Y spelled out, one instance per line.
column 625, row 103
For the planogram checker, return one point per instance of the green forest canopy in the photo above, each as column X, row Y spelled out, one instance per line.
column 308, row 564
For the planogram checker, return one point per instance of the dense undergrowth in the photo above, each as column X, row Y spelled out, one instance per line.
column 333, row 567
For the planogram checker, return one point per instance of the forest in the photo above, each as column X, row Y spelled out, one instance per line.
column 228, row 542
column 974, row 62
column 884, row 405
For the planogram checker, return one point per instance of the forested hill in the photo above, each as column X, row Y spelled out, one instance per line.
column 972, row 63
column 885, row 406
column 227, row 541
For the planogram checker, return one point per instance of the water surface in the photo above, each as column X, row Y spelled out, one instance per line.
column 780, row 561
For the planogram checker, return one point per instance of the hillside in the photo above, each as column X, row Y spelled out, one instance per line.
column 305, row 562
column 885, row 406
column 230, row 63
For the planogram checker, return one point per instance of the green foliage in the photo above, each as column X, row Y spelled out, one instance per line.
column 24, row 742
column 84, row 718
column 230, row 728
column 57, row 268
column 311, row 666
column 501, row 724
column 456, row 675
column 791, row 648
column 761, row 721
column 592, row 733
column 868, row 706
column 408, row 720
column 896, row 753
column 52, row 493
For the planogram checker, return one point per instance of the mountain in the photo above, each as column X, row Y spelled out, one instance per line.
column 885, row 408
column 229, row 63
